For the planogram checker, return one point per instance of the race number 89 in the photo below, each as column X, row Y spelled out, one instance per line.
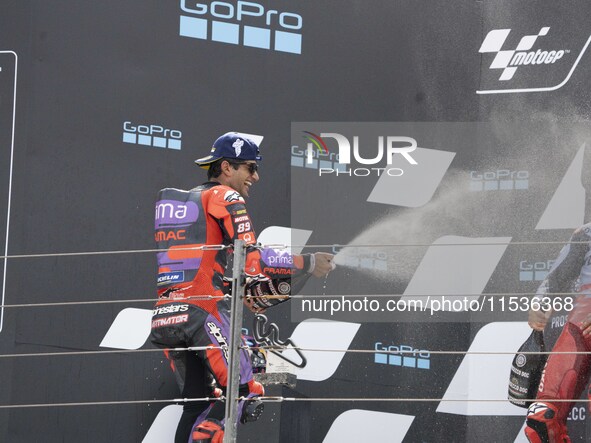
column 243, row 227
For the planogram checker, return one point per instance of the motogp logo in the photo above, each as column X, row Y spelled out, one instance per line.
column 510, row 60
column 534, row 62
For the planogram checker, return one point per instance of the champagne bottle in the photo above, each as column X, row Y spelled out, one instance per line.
column 526, row 370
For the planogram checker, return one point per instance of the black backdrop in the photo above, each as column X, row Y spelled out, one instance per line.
column 85, row 68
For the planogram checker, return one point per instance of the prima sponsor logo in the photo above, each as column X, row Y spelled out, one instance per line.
column 242, row 23
column 175, row 213
column 170, row 210
column 276, row 259
column 152, row 135
column 499, row 180
column 402, row 355
column 535, row 62
column 316, row 155
column 534, row 270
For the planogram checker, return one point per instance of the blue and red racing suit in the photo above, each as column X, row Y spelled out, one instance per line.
column 211, row 214
column 565, row 375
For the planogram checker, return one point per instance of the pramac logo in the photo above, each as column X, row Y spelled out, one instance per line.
column 180, row 234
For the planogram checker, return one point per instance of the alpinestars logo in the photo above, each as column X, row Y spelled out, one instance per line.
column 538, row 59
column 535, row 408
column 232, row 196
column 216, row 332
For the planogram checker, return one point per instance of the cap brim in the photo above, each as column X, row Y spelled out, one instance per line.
column 206, row 161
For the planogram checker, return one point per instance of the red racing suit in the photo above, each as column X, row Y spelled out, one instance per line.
column 211, row 214
column 565, row 375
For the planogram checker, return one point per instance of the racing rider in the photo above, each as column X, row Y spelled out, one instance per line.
column 565, row 375
column 215, row 214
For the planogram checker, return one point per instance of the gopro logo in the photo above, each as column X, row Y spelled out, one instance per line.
column 402, row 355
column 499, row 180
column 152, row 135
column 242, row 23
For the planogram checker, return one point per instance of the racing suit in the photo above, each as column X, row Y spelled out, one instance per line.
column 211, row 214
column 565, row 375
